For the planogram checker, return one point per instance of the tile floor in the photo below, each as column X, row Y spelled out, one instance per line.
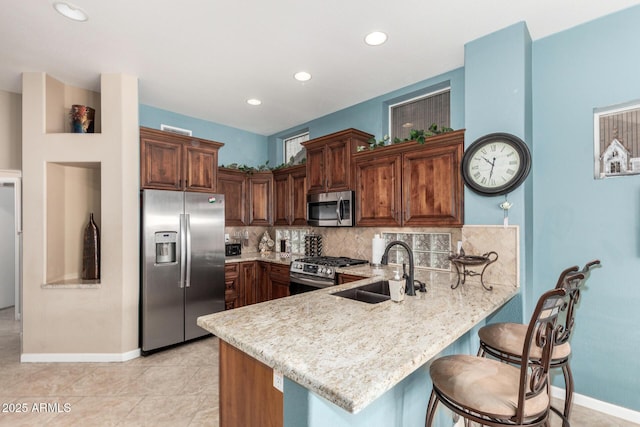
column 177, row 387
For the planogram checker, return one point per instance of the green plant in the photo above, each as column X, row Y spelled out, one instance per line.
column 420, row 135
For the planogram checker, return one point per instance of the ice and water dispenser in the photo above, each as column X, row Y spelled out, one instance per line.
column 166, row 247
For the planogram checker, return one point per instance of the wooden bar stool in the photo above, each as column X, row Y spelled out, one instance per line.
column 504, row 341
column 493, row 393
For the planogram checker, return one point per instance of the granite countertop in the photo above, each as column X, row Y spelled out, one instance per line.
column 257, row 256
column 350, row 352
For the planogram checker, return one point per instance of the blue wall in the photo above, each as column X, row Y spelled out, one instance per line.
column 239, row 146
column 578, row 218
column 498, row 99
column 371, row 116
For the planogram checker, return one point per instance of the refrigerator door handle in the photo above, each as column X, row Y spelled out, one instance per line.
column 187, row 281
column 183, row 250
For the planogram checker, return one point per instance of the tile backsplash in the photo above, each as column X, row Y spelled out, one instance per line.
column 430, row 250
column 431, row 246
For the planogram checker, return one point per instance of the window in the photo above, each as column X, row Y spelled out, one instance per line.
column 420, row 113
column 292, row 146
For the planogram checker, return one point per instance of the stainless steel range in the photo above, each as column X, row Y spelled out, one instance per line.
column 312, row 273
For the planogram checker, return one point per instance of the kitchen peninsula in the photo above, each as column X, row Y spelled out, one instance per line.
column 348, row 363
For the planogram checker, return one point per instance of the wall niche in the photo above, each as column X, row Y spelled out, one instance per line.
column 73, row 191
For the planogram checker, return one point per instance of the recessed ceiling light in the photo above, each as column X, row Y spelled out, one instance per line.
column 254, row 101
column 375, row 38
column 302, row 76
column 407, row 125
column 70, row 11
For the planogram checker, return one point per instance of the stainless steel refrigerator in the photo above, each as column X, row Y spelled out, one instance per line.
column 182, row 271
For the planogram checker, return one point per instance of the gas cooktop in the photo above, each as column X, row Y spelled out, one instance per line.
column 332, row 261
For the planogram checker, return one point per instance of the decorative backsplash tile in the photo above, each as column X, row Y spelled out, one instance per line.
column 295, row 236
column 430, row 250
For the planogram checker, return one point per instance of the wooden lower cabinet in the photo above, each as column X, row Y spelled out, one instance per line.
column 251, row 282
column 231, row 288
column 348, row 278
column 247, row 395
column 279, row 281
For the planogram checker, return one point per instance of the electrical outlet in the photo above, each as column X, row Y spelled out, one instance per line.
column 278, row 380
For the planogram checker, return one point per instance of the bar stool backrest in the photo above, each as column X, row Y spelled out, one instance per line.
column 542, row 332
column 573, row 282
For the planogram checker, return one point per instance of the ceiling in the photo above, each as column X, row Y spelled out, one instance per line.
column 205, row 58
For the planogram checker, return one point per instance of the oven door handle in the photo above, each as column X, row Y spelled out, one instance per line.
column 339, row 210
column 305, row 280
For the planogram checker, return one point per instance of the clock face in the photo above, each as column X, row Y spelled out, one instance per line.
column 496, row 164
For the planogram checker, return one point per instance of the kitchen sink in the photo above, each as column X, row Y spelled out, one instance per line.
column 372, row 293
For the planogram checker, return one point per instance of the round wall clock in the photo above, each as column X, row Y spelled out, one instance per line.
column 496, row 164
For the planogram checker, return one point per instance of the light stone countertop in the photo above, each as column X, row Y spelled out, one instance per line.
column 350, row 352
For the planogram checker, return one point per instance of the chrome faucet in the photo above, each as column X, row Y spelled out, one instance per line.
column 410, row 287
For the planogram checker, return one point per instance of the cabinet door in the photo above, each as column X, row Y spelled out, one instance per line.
column 432, row 186
column 200, row 168
column 378, row 191
column 338, row 165
column 248, row 284
column 161, row 164
column 316, row 181
column 348, row 278
column 281, row 199
column 231, row 291
column 263, row 288
column 234, row 187
column 260, row 199
column 298, row 197
column 279, row 280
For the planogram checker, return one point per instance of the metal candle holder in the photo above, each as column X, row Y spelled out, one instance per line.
column 462, row 261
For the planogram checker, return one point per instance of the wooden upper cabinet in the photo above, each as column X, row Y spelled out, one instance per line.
column 248, row 197
column 289, row 196
column 432, row 186
column 260, row 193
column 329, row 160
column 201, row 165
column 378, row 190
column 233, row 184
column 170, row 161
column 411, row 184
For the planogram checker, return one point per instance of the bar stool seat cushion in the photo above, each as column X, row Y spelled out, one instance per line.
column 509, row 338
column 485, row 386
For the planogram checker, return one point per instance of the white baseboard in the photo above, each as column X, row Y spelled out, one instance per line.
column 79, row 357
column 599, row 405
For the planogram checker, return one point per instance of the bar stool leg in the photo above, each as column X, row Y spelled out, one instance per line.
column 568, row 397
column 431, row 409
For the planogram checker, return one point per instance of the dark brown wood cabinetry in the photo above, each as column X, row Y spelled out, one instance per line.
column 329, row 160
column 233, row 184
column 260, row 198
column 259, row 404
column 278, row 281
column 175, row 162
column 251, row 282
column 289, row 196
column 410, row 184
column 232, row 289
column 348, row 278
column 248, row 197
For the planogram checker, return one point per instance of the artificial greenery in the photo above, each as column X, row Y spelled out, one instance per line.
column 419, row 136
column 262, row 168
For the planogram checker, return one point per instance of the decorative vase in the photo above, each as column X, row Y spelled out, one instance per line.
column 91, row 251
column 82, row 118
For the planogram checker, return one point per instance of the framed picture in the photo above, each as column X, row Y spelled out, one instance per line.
column 616, row 135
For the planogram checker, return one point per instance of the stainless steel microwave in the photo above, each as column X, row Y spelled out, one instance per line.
column 331, row 209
